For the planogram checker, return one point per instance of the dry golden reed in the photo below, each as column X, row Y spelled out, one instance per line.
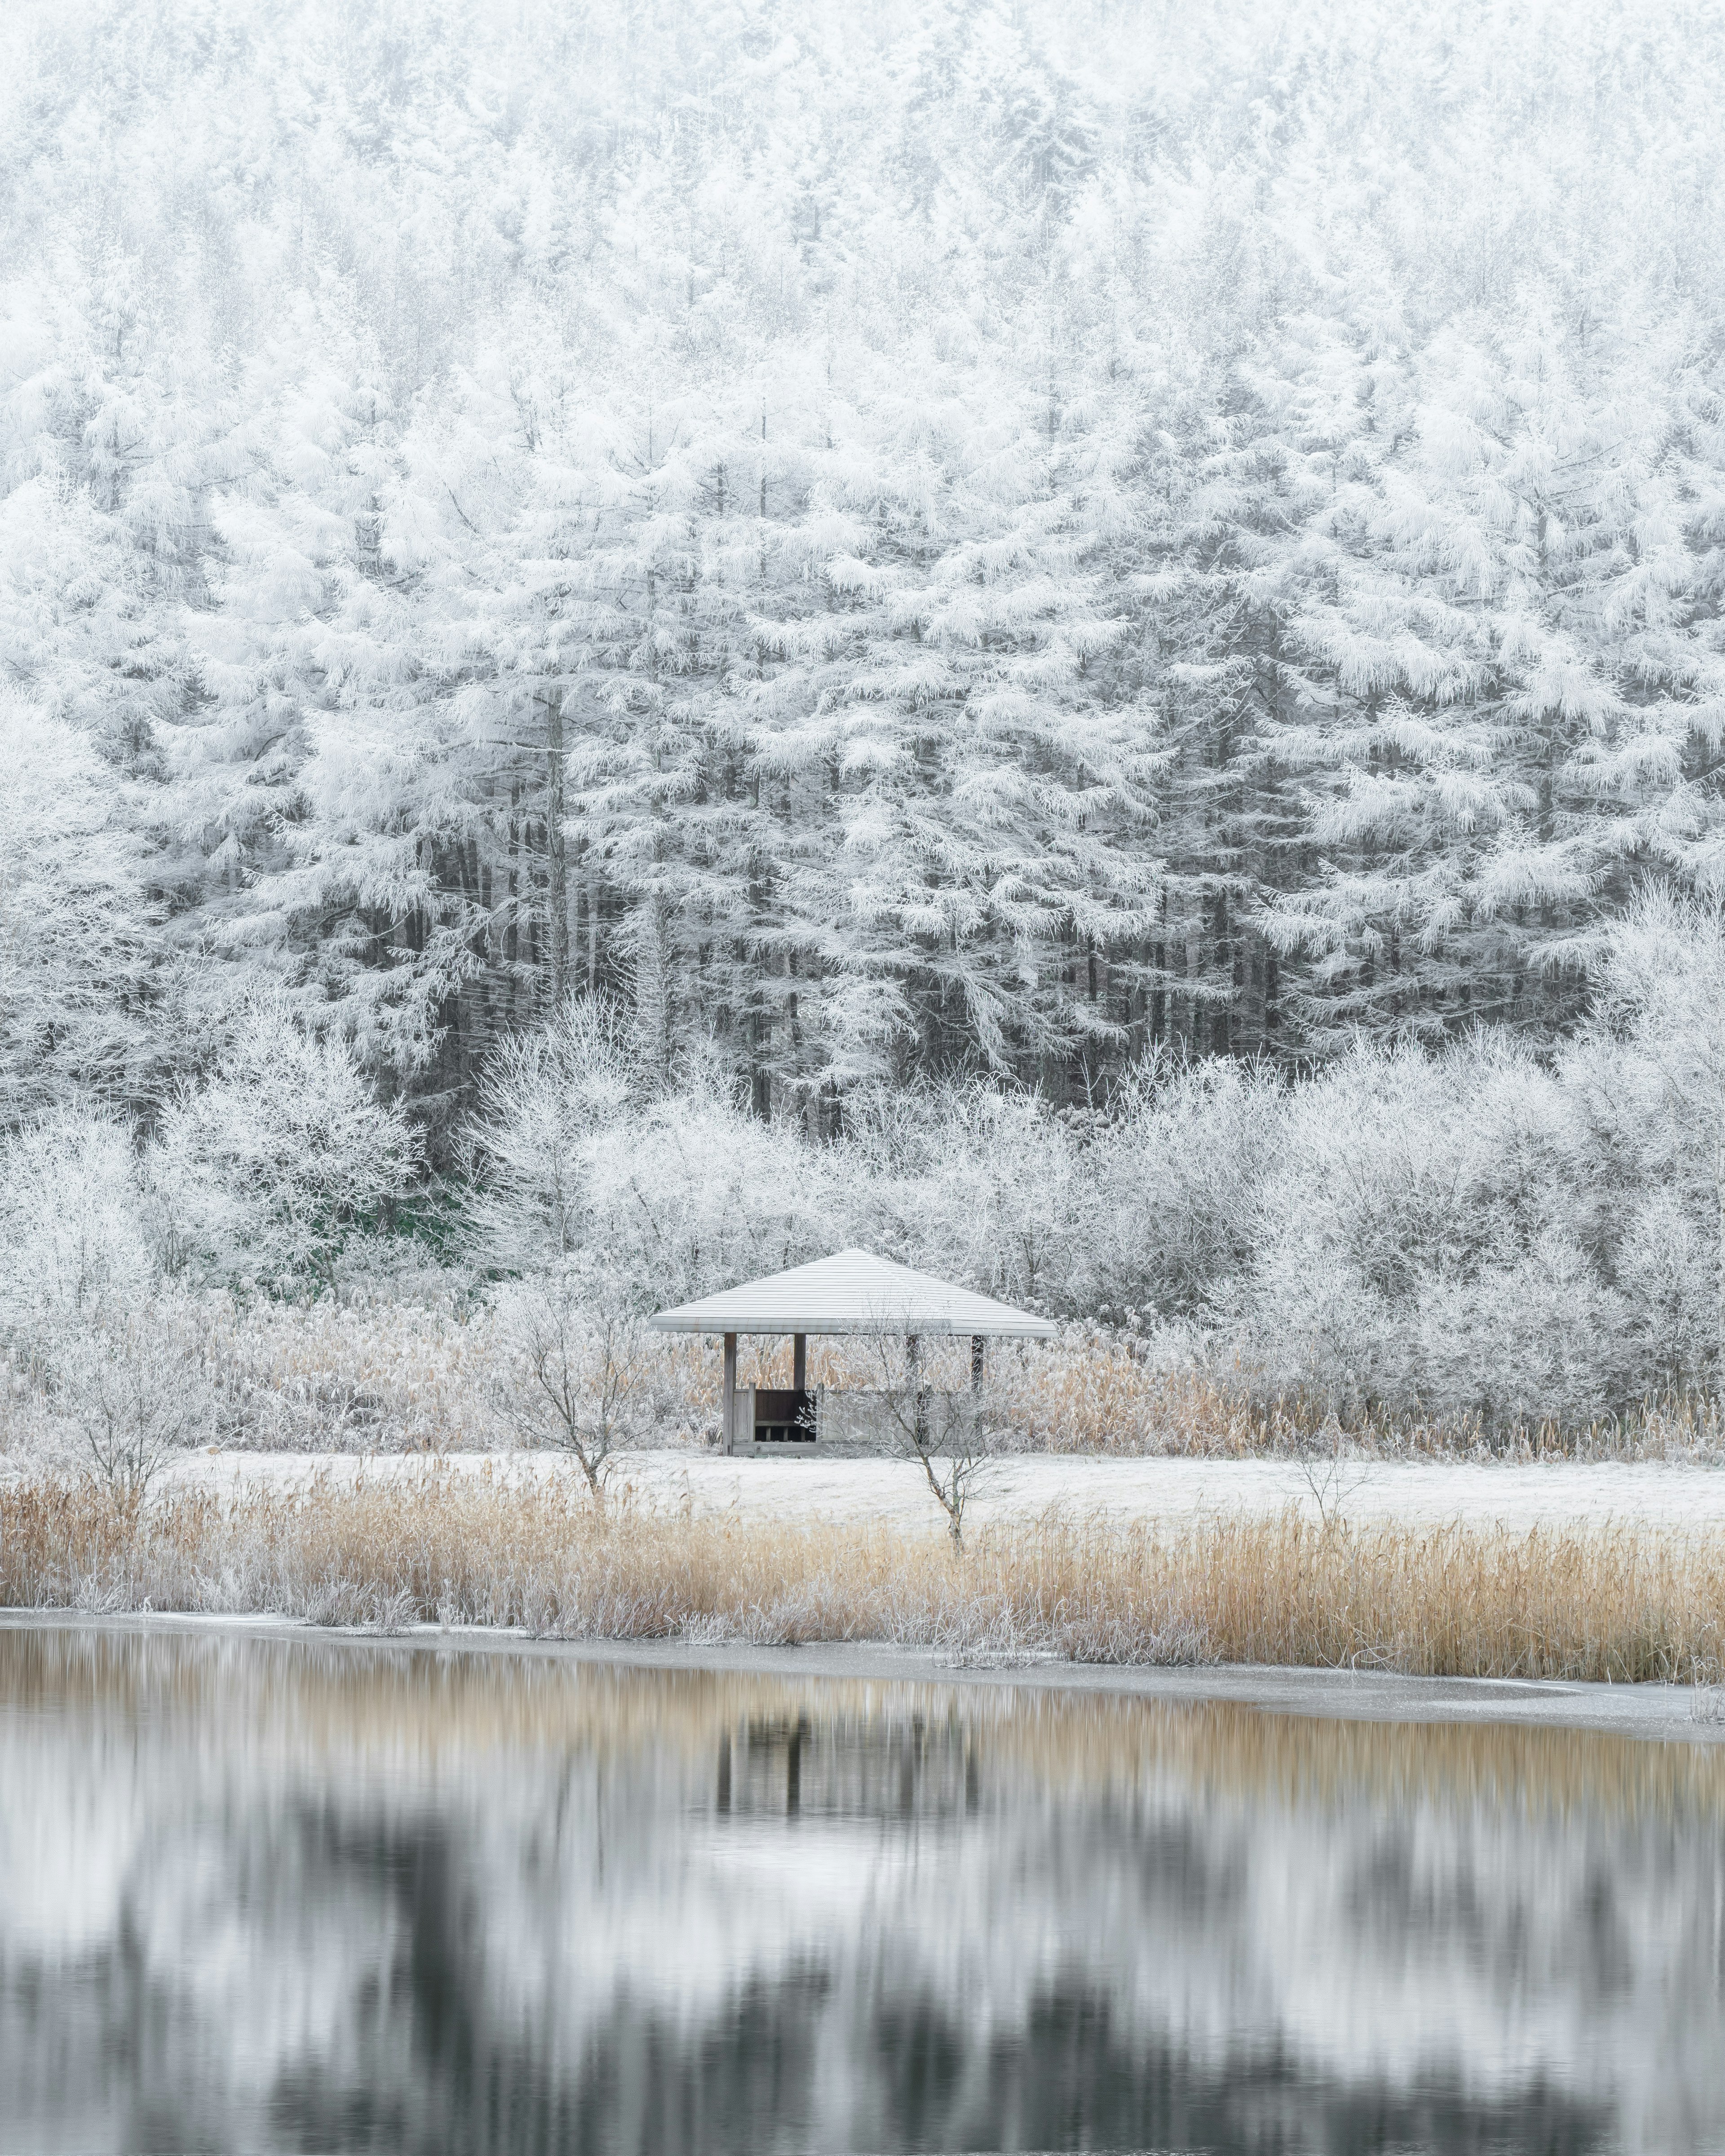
column 1622, row 1603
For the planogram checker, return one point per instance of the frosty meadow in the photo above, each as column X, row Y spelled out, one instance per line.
column 1078, row 645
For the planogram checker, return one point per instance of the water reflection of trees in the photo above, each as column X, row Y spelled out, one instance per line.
column 276, row 1895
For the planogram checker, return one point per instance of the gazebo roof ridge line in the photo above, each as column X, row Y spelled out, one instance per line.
column 853, row 1291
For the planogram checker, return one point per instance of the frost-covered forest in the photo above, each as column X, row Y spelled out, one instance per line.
column 1082, row 641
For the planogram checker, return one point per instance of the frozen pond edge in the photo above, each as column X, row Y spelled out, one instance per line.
column 1653, row 1711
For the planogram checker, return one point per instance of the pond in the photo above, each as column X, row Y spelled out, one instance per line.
column 260, row 1893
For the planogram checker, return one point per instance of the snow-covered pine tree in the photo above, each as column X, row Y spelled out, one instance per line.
column 1493, row 754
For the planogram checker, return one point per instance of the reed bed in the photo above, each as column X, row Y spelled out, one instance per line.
column 422, row 1374
column 1617, row 1603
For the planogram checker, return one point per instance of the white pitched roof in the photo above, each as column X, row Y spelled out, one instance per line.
column 851, row 1292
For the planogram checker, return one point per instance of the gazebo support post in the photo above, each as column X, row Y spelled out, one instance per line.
column 799, row 1361
column 976, row 1362
column 727, row 1394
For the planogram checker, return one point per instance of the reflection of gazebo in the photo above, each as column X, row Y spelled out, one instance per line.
column 852, row 1293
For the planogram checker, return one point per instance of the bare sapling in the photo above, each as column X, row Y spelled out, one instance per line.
column 950, row 1434
column 134, row 1390
column 1330, row 1476
column 579, row 1369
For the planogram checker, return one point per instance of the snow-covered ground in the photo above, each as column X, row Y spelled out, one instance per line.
column 1425, row 1493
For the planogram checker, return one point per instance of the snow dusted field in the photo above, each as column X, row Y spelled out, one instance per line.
column 1518, row 1497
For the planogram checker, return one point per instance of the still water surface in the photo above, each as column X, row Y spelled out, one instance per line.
column 267, row 1895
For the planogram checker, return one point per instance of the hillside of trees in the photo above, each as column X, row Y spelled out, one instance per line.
column 900, row 542
column 1082, row 642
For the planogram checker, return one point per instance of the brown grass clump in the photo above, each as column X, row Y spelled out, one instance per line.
column 1588, row 1603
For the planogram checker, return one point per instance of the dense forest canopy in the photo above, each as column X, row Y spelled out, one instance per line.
column 897, row 541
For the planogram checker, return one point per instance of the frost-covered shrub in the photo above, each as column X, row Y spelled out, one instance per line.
column 1645, row 1088
column 104, row 1362
column 77, row 1222
column 1171, row 1185
column 1414, row 1247
column 546, row 1102
column 1535, row 1338
column 1664, row 1269
column 271, row 1168
column 1409, row 1168
column 675, row 1191
column 970, row 1182
column 131, row 1382
column 701, row 1193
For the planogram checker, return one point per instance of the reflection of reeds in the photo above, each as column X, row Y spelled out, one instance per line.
column 1616, row 1603
column 424, row 1705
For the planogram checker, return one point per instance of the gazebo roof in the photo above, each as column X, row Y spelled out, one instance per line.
column 852, row 1291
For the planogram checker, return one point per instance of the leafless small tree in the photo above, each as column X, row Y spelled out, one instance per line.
column 134, row 1388
column 950, row 1435
column 580, row 1372
column 1330, row 1476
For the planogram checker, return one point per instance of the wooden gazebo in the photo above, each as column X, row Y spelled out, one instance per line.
column 852, row 1293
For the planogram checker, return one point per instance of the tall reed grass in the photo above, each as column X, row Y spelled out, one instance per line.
column 384, row 1374
column 1609, row 1602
